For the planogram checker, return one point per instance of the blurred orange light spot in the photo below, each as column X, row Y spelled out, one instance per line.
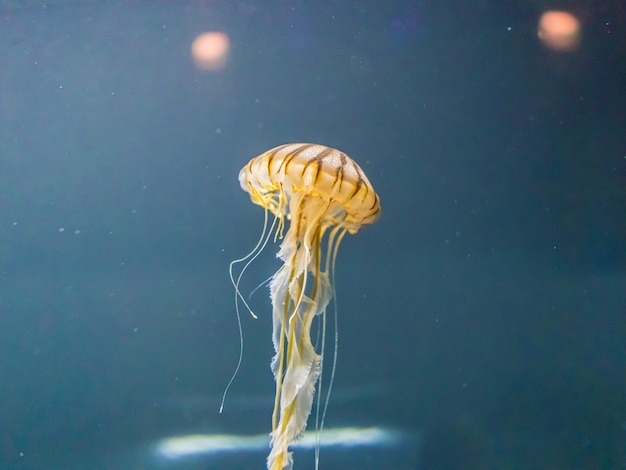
column 209, row 50
column 559, row 30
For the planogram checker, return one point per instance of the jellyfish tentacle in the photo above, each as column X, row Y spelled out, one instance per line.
column 250, row 257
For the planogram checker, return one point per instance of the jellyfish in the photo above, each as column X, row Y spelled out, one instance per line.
column 317, row 194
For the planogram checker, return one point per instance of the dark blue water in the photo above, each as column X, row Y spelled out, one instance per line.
column 482, row 318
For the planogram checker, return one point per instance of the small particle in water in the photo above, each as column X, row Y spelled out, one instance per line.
column 61, row 229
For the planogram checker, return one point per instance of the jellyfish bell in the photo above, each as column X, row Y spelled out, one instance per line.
column 281, row 178
column 321, row 194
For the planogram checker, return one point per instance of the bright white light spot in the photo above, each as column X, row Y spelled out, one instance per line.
column 203, row 444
